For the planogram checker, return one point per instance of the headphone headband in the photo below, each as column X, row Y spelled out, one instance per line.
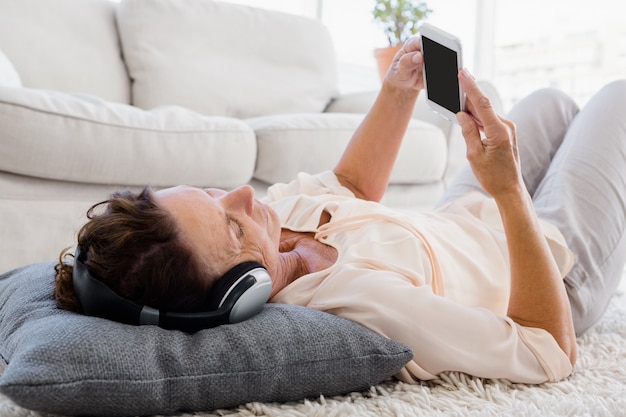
column 237, row 296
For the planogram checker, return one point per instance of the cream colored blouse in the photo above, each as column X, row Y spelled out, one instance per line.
column 438, row 282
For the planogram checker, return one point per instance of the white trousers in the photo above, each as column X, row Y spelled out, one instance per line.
column 574, row 166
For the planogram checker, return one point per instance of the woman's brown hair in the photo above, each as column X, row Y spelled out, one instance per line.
column 134, row 246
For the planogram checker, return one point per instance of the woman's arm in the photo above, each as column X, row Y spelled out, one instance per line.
column 538, row 297
column 366, row 164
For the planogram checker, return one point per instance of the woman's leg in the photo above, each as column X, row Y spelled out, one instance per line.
column 583, row 193
column 541, row 120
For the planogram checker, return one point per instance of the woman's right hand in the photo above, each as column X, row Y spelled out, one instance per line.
column 493, row 155
column 405, row 71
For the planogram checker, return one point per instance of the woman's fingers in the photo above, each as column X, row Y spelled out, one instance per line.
column 413, row 44
column 406, row 68
column 492, row 155
column 478, row 105
column 471, row 134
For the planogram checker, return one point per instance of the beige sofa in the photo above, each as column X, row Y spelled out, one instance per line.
column 164, row 92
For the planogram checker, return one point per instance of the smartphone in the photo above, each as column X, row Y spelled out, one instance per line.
column 442, row 62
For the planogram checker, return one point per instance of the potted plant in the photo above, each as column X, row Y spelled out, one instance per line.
column 399, row 19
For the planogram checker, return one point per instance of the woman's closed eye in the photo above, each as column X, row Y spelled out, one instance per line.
column 239, row 231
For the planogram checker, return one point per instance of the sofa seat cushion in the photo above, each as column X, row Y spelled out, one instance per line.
column 61, row 362
column 82, row 138
column 224, row 59
column 290, row 143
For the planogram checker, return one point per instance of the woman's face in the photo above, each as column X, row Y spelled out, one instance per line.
column 225, row 228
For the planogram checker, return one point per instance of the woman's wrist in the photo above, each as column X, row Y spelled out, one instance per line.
column 398, row 93
column 515, row 196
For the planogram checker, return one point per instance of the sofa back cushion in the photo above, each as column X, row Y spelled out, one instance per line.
column 65, row 45
column 224, row 59
column 8, row 75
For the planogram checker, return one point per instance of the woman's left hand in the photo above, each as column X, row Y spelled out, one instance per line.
column 406, row 68
column 366, row 165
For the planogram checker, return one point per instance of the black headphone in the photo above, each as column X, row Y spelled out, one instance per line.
column 237, row 296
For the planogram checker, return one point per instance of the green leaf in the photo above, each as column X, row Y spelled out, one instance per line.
column 400, row 19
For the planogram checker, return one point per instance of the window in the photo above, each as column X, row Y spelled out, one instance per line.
column 574, row 45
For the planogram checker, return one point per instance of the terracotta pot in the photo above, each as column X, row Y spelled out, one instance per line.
column 384, row 56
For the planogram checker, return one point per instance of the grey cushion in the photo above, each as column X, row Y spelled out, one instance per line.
column 61, row 362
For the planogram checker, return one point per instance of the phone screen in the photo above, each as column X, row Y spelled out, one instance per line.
column 442, row 82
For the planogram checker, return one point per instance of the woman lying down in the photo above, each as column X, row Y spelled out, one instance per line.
column 521, row 254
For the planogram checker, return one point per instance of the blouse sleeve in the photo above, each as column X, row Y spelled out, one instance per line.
column 444, row 335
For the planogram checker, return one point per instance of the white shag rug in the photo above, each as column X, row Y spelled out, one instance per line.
column 597, row 388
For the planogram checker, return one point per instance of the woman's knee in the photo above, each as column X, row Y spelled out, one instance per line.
column 613, row 94
column 554, row 102
column 549, row 107
column 604, row 114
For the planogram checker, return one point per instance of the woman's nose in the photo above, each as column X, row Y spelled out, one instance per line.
column 241, row 198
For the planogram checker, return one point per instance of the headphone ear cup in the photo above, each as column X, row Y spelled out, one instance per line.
column 255, row 290
column 222, row 288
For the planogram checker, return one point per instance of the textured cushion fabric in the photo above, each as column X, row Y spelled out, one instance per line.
column 291, row 143
column 83, row 138
column 8, row 75
column 65, row 45
column 61, row 362
column 224, row 59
